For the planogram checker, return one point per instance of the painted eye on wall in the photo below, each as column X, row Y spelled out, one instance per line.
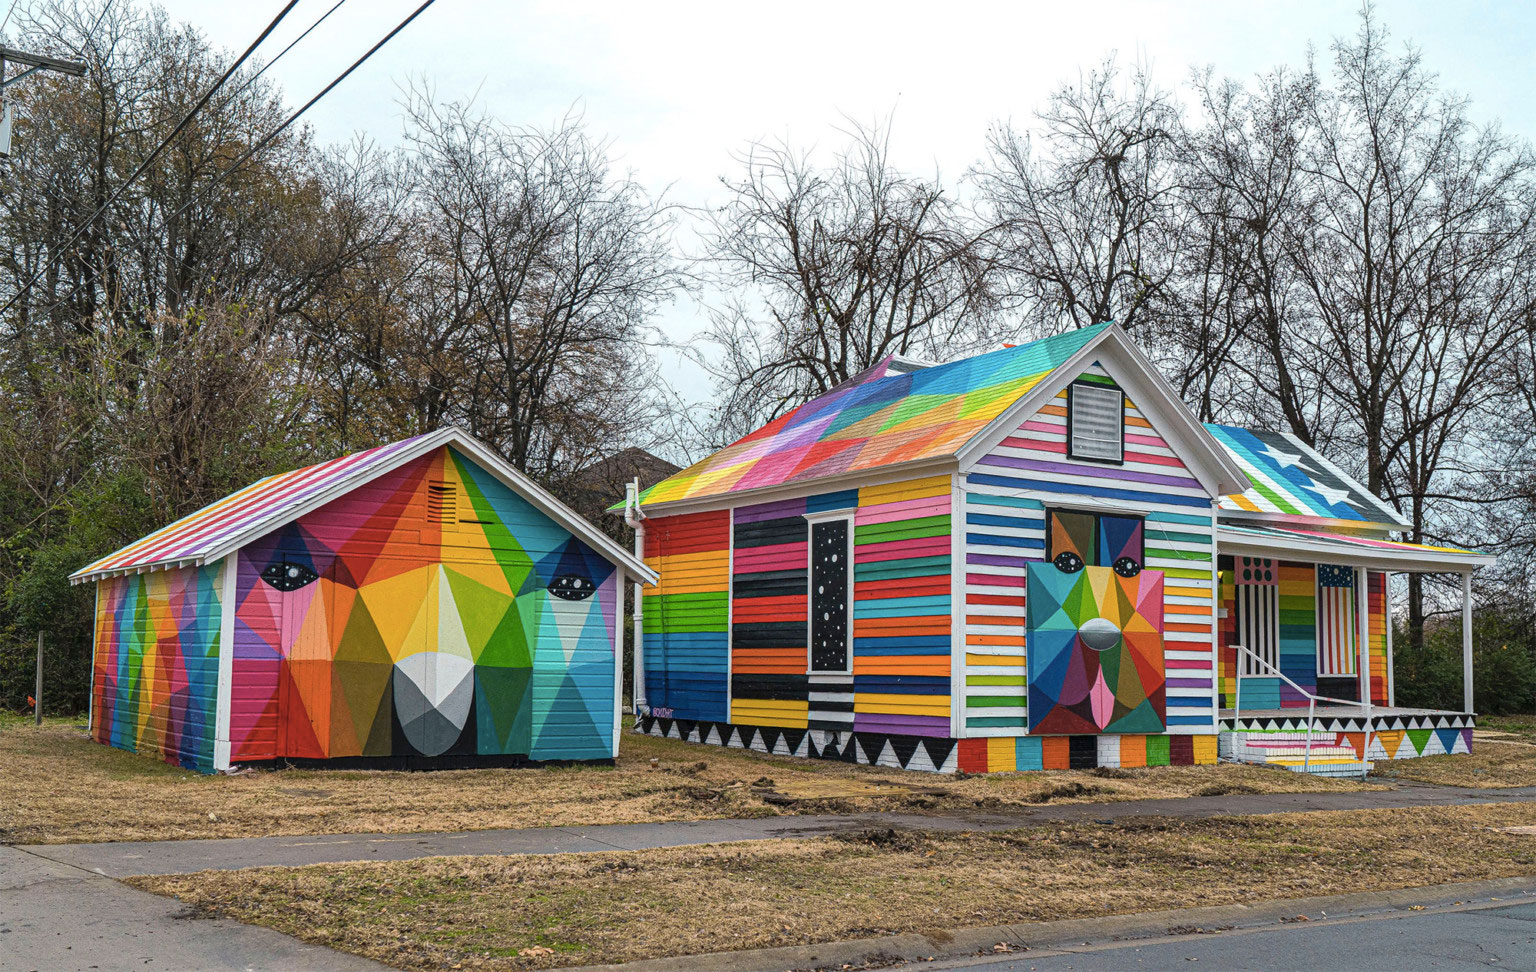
column 1068, row 562
column 288, row 577
column 572, row 587
column 1127, row 567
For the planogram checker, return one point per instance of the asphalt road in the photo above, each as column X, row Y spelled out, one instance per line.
column 1477, row 936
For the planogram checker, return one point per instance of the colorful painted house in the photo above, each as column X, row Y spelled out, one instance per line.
column 1035, row 557
column 418, row 604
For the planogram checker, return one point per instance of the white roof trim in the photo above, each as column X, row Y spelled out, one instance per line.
column 1202, row 454
column 1243, row 542
column 873, row 476
column 450, row 435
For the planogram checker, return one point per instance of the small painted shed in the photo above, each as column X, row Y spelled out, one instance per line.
column 418, row 604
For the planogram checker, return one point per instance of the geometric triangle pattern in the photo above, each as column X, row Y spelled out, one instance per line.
column 434, row 612
column 1094, row 651
column 156, row 669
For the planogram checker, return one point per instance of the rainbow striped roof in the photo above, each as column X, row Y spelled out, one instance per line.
column 877, row 419
column 1290, row 478
column 267, row 504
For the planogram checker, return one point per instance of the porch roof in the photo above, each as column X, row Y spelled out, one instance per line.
column 1355, row 551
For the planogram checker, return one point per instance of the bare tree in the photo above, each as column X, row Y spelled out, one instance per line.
column 837, row 267
column 1086, row 207
column 540, row 270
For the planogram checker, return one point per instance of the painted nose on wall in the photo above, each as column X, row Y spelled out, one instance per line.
column 1100, row 634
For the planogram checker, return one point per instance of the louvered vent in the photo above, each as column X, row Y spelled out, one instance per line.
column 1097, row 417
column 442, row 503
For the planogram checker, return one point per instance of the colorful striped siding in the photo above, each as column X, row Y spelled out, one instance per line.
column 768, row 615
column 1376, row 589
column 155, row 681
column 1298, row 641
column 1298, row 632
column 1004, row 754
column 686, row 614
column 1006, row 494
column 901, row 611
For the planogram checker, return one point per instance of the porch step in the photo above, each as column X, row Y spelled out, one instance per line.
column 1330, row 755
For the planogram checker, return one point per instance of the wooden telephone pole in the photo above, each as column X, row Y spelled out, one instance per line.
column 33, row 63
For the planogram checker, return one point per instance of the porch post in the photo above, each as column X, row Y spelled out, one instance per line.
column 1466, row 642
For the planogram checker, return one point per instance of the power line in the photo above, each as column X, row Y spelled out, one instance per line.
column 246, row 156
column 164, row 143
column 267, row 66
column 267, row 139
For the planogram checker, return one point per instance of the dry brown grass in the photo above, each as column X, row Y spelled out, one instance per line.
column 1490, row 764
column 526, row 912
column 57, row 786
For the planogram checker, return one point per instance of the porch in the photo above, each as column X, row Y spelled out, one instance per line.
column 1307, row 680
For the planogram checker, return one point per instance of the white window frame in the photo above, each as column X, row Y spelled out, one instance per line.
column 1072, row 389
column 811, row 519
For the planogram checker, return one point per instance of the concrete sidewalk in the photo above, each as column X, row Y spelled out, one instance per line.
column 58, row 917
column 127, row 859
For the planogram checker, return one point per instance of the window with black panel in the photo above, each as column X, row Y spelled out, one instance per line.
column 1076, row 539
column 829, row 595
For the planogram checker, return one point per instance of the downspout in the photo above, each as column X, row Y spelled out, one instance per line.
column 635, row 517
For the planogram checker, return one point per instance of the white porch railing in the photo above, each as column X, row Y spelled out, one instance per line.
column 1312, row 700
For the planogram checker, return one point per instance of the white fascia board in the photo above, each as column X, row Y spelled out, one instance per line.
column 450, row 435
column 1327, row 552
column 874, row 476
column 1195, row 446
column 1393, row 516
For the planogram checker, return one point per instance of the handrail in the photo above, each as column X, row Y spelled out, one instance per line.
column 1312, row 700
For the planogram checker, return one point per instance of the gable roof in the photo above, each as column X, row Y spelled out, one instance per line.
column 267, row 504
column 1289, row 479
column 898, row 413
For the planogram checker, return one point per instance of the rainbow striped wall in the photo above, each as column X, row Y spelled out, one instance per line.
column 1298, row 640
column 687, row 614
column 901, row 610
column 744, row 571
column 1006, row 494
column 155, row 678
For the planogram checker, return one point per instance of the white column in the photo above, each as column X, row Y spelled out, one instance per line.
column 1466, row 642
column 222, row 746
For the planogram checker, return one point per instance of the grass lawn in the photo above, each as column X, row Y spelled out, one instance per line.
column 526, row 912
column 57, row 786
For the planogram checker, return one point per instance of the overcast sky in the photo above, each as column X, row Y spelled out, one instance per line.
column 679, row 87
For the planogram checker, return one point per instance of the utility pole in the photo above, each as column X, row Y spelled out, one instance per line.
column 33, row 63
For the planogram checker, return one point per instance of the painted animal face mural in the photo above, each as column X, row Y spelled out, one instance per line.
column 437, row 614
column 1094, row 631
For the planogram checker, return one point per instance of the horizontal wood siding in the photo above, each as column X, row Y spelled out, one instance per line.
column 1006, row 494
column 901, row 610
column 687, row 614
column 768, row 615
column 154, row 681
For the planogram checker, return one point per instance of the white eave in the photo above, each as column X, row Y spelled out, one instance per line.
column 510, row 477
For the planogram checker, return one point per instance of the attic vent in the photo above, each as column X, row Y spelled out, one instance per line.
column 442, row 503
column 1096, row 422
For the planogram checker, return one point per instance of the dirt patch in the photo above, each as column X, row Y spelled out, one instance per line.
column 539, row 912
column 56, row 786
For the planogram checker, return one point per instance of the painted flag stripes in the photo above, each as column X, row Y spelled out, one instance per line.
column 1338, row 624
column 1258, row 613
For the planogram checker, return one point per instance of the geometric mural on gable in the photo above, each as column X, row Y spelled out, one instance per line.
column 1094, row 651
column 436, row 613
